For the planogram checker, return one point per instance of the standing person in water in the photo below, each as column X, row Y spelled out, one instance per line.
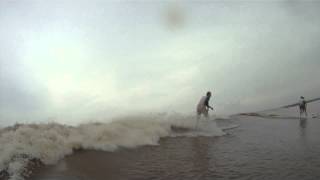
column 203, row 106
column 303, row 106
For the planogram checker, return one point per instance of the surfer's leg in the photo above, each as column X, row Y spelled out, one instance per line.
column 198, row 114
column 198, row 118
column 206, row 113
column 305, row 112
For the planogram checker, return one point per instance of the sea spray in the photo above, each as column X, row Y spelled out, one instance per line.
column 48, row 143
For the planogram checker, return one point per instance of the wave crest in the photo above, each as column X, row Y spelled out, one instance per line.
column 50, row 142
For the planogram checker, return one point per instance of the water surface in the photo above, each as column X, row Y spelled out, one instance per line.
column 261, row 148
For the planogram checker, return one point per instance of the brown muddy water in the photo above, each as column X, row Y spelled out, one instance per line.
column 260, row 148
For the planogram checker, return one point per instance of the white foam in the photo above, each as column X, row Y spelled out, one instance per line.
column 51, row 142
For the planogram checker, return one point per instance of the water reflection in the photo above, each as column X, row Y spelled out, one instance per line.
column 303, row 129
column 303, row 123
column 201, row 163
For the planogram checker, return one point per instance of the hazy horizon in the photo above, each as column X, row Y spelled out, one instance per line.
column 77, row 60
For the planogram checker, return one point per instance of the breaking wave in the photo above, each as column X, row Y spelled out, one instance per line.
column 48, row 143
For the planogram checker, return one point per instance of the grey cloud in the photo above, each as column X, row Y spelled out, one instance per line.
column 251, row 55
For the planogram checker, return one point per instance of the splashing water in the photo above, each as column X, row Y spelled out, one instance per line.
column 51, row 142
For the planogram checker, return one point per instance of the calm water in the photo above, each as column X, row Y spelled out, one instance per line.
column 258, row 149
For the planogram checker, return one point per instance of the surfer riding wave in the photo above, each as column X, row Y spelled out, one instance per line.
column 203, row 106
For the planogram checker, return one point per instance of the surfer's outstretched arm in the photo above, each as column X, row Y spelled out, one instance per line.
column 206, row 103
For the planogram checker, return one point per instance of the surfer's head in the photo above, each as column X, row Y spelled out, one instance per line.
column 209, row 93
column 301, row 97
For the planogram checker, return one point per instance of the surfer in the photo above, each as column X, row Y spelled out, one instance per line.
column 203, row 106
column 303, row 106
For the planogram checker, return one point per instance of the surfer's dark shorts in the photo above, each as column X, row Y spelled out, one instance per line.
column 302, row 108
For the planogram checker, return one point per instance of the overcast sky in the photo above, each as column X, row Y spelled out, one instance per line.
column 74, row 60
